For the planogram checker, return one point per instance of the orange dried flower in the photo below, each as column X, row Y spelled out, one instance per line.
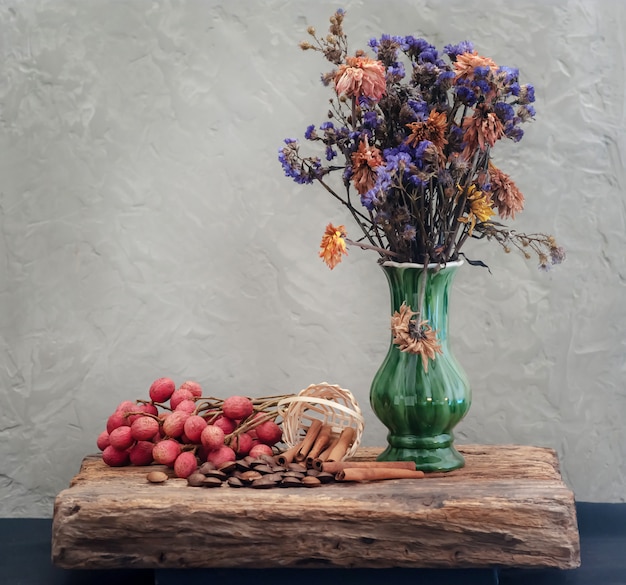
column 466, row 63
column 433, row 129
column 361, row 76
column 364, row 163
column 483, row 128
column 333, row 245
column 415, row 337
column 507, row 197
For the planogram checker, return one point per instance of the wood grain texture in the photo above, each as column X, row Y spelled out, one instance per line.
column 507, row 507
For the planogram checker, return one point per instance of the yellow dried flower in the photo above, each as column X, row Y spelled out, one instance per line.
column 480, row 208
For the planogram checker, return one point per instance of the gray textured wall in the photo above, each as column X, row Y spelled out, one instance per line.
column 147, row 229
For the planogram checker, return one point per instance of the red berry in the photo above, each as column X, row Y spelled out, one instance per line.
column 260, row 449
column 237, row 407
column 221, row 455
column 161, row 389
column 149, row 409
column 121, row 438
column 114, row 457
column 226, row 424
column 174, row 423
column 141, row 453
column 126, row 406
column 165, row 452
column 193, row 387
column 186, row 405
column 212, row 437
column 241, row 444
column 269, row 432
column 144, row 428
column 117, row 419
column 103, row 440
column 185, row 464
column 178, row 396
column 193, row 428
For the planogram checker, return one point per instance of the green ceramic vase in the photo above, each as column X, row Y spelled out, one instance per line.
column 421, row 408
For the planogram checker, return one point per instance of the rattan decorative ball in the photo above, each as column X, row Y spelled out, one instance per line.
column 329, row 403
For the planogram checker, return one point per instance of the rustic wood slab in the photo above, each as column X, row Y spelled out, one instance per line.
column 508, row 507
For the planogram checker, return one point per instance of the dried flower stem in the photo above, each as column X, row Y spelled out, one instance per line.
column 363, row 246
column 358, row 216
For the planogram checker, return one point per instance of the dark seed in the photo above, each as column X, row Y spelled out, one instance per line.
column 310, row 481
column 250, row 475
column 262, row 484
column 325, row 477
column 277, row 477
column 242, row 465
column 216, row 473
column 258, row 461
column 290, row 482
column 210, row 482
column 195, row 480
column 206, row 467
column 235, row 482
column 228, row 467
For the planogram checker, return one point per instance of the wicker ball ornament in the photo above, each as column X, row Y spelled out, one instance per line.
column 330, row 404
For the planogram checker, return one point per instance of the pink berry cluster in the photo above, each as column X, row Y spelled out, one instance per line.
column 180, row 428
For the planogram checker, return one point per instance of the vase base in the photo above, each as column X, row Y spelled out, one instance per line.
column 427, row 460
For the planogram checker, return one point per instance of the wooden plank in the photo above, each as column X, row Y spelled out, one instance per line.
column 508, row 507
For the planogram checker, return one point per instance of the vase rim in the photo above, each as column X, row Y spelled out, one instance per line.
column 454, row 264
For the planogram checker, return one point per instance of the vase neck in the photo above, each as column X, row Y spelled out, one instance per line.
column 405, row 285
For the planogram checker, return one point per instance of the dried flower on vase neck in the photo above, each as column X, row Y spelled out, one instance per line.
column 414, row 335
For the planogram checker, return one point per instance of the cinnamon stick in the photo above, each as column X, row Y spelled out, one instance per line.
column 323, row 456
column 321, row 442
column 309, row 439
column 286, row 457
column 337, row 466
column 373, row 474
column 343, row 444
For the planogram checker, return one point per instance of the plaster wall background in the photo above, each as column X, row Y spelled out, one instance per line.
column 147, row 228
